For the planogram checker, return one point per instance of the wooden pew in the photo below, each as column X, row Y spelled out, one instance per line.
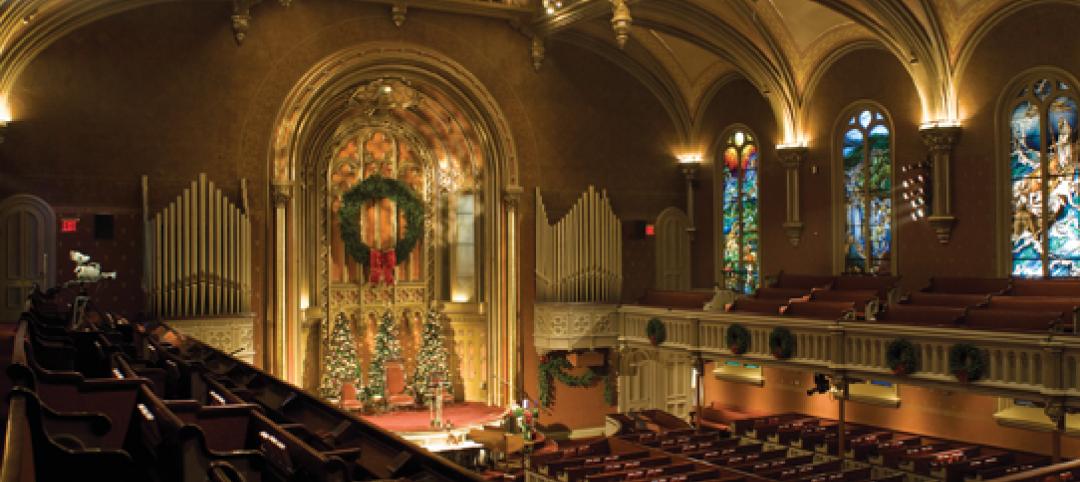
column 770, row 307
column 1069, row 307
column 1067, row 288
column 803, row 281
column 867, row 302
column 826, row 310
column 946, row 299
column 968, row 285
column 63, row 456
column 922, row 315
column 181, row 451
column 1014, row 320
column 883, row 286
column 677, row 300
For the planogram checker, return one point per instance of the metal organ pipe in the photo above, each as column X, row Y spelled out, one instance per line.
column 200, row 252
column 579, row 258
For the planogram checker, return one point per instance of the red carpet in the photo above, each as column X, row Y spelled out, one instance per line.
column 459, row 414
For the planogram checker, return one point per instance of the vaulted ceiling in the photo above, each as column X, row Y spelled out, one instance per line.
column 682, row 50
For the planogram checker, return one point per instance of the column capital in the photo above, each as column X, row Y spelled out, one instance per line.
column 281, row 193
column 791, row 156
column 940, row 138
column 512, row 194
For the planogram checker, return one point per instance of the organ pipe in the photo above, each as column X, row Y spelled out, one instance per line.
column 579, row 258
column 199, row 250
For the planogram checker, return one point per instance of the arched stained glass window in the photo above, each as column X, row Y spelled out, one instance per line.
column 1044, row 180
column 867, row 187
column 740, row 212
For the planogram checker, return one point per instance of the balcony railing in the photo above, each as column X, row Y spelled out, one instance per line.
column 1018, row 364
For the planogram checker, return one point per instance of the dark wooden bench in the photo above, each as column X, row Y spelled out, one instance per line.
column 946, row 299
column 968, row 285
column 825, row 310
column 679, row 300
column 922, row 315
column 760, row 306
column 1014, row 320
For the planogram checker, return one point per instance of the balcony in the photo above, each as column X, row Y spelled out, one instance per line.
column 1019, row 364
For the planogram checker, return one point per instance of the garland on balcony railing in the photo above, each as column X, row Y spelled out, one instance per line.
column 900, row 357
column 553, row 367
column 967, row 362
column 781, row 343
column 656, row 331
column 737, row 339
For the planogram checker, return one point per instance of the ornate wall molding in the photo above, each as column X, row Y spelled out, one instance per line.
column 940, row 141
column 232, row 334
column 791, row 157
column 573, row 326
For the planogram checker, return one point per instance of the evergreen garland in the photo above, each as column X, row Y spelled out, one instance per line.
column 553, row 367
column 341, row 363
column 372, row 189
column 781, row 343
column 967, row 362
column 387, row 347
column 432, row 361
column 656, row 331
column 737, row 338
column 900, row 357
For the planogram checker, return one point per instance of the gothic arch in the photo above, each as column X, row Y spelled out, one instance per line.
column 303, row 132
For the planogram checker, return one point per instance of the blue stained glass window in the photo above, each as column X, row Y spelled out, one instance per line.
column 740, row 212
column 867, row 186
column 1044, row 181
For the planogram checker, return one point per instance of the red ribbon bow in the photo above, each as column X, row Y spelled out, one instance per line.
column 382, row 266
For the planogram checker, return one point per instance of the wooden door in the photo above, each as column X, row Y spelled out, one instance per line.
column 27, row 246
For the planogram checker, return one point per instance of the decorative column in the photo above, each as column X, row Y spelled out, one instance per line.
column 940, row 139
column 513, row 348
column 275, row 336
column 791, row 158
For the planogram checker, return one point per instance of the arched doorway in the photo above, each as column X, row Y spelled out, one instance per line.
column 412, row 115
column 27, row 251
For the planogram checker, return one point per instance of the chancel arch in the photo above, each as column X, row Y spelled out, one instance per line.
column 413, row 116
column 1039, row 167
column 865, row 218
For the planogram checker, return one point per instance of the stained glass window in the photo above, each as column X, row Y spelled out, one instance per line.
column 740, row 212
column 1045, row 234
column 867, row 187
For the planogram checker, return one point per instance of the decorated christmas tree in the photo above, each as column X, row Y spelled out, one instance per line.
column 342, row 363
column 432, row 364
column 387, row 347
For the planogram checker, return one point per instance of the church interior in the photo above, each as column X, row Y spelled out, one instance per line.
column 540, row 240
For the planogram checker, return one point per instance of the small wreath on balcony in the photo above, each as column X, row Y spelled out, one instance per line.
column 967, row 362
column 737, row 338
column 553, row 367
column 900, row 357
column 781, row 343
column 656, row 331
column 375, row 188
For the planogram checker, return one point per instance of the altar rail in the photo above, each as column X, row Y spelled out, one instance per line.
column 1019, row 365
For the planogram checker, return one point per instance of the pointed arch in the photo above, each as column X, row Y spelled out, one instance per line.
column 864, row 215
column 1038, row 172
column 737, row 250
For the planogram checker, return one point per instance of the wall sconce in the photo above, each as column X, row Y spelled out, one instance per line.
column 689, row 163
column 5, row 119
column 915, row 189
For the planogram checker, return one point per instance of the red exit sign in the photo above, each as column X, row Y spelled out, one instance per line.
column 69, row 225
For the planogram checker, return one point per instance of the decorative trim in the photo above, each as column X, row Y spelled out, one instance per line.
column 791, row 157
column 573, row 326
column 940, row 141
column 398, row 12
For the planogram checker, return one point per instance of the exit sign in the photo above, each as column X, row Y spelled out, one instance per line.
column 69, row 225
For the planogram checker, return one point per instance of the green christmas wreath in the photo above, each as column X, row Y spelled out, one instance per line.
column 967, row 362
column 781, row 343
column 900, row 357
column 375, row 188
column 737, row 338
column 656, row 331
column 554, row 367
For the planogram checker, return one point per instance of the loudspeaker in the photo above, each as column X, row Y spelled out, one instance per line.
column 103, row 226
